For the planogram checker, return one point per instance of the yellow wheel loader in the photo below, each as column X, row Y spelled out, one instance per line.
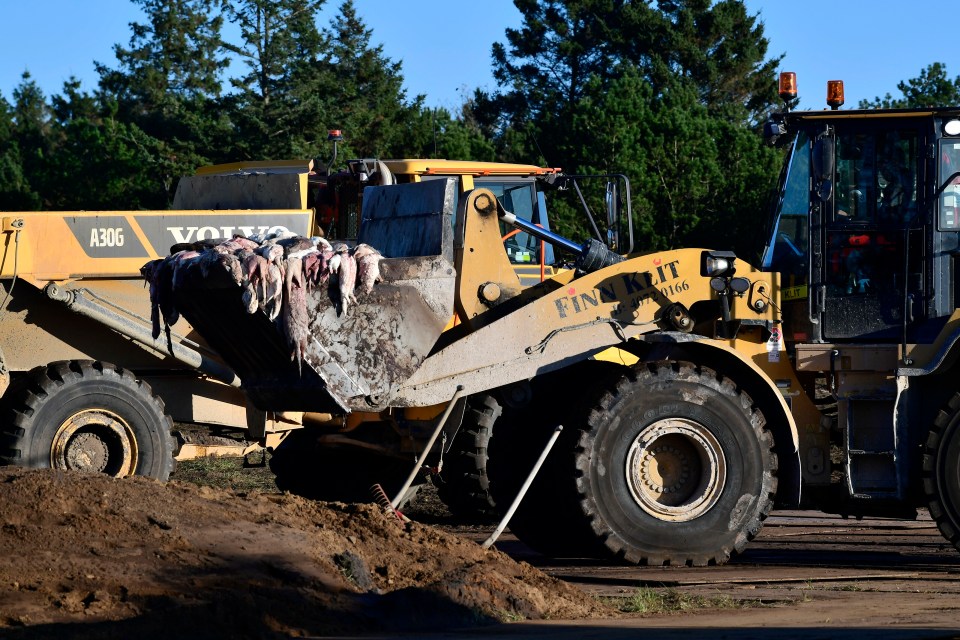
column 825, row 378
column 389, row 361
column 314, row 463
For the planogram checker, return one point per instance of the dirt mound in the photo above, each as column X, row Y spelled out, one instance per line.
column 136, row 558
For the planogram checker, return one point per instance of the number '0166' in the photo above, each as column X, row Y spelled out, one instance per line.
column 106, row 237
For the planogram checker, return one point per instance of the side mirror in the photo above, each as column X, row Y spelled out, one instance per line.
column 773, row 131
column 612, row 202
column 824, row 162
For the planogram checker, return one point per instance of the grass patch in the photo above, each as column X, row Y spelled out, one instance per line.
column 855, row 587
column 502, row 614
column 225, row 473
column 651, row 601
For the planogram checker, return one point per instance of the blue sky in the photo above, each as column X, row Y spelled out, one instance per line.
column 445, row 44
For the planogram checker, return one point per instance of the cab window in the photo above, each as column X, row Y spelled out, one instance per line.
column 521, row 198
column 522, row 248
column 949, row 180
column 876, row 196
column 787, row 249
column 876, row 180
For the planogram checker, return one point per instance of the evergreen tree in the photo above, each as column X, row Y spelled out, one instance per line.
column 101, row 162
column 165, row 88
column 932, row 88
column 371, row 106
column 667, row 94
column 718, row 47
column 15, row 192
column 444, row 136
column 31, row 116
column 544, row 71
column 279, row 105
column 172, row 59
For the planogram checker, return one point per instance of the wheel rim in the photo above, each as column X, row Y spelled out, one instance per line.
column 675, row 470
column 95, row 440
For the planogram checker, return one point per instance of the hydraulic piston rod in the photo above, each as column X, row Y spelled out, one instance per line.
column 539, row 232
column 592, row 255
column 79, row 302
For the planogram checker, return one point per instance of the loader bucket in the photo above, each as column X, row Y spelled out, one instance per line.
column 357, row 358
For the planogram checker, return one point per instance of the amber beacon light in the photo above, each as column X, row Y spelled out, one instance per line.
column 835, row 93
column 788, row 85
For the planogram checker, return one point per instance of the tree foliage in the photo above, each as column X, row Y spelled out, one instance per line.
column 371, row 105
column 15, row 192
column 668, row 92
column 932, row 88
column 32, row 141
column 165, row 86
column 274, row 103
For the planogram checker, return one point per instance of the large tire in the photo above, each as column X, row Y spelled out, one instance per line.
column 464, row 485
column 88, row 416
column 674, row 466
column 304, row 466
column 941, row 471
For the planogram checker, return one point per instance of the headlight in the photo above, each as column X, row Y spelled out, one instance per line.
column 717, row 263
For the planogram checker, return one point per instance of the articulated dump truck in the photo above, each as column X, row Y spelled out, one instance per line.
column 85, row 383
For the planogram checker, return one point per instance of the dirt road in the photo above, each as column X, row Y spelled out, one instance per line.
column 807, row 576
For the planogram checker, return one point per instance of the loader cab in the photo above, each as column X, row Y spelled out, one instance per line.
column 865, row 228
column 521, row 197
column 602, row 200
column 520, row 188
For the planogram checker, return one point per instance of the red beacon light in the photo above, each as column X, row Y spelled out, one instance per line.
column 835, row 93
column 334, row 135
column 787, row 87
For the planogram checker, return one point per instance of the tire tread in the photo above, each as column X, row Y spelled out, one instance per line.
column 944, row 509
column 42, row 384
column 664, row 372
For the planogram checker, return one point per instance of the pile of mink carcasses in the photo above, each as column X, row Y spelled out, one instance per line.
column 275, row 272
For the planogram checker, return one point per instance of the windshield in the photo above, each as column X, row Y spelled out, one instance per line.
column 518, row 198
column 876, row 177
column 786, row 250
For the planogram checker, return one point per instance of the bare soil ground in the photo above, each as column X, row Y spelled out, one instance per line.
column 88, row 556
column 219, row 553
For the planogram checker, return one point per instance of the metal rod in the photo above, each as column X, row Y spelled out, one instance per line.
column 433, row 438
column 523, row 490
column 627, row 199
